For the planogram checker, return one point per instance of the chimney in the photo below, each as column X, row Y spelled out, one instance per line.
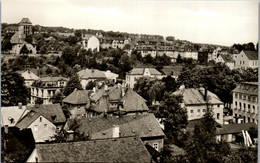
column 70, row 135
column 106, row 87
column 206, row 93
column 115, row 131
column 6, row 129
column 123, row 91
column 94, row 89
column 20, row 105
column 105, row 113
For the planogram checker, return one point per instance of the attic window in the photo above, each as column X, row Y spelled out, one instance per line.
column 11, row 120
column 40, row 119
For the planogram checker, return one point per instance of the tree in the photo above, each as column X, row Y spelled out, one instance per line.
column 90, row 85
column 179, row 59
column 13, row 89
column 24, row 50
column 155, row 91
column 29, row 39
column 202, row 147
column 176, row 118
column 170, row 84
column 6, row 45
column 69, row 55
column 170, row 38
column 73, row 84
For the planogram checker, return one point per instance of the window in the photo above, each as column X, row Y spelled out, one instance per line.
column 40, row 119
column 244, row 106
column 204, row 110
column 243, row 62
column 239, row 105
column 35, row 127
column 155, row 146
column 235, row 103
column 218, row 106
column 191, row 111
column 236, row 95
column 244, row 97
column 240, row 96
column 198, row 110
column 45, row 125
column 218, row 115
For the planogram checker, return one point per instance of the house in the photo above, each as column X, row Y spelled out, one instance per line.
column 17, row 145
column 45, row 88
column 233, row 132
column 247, row 59
column 77, row 102
column 111, row 76
column 227, row 60
column 10, row 115
column 87, row 75
column 245, row 102
column 145, row 50
column 197, row 101
column 106, row 43
column 90, row 42
column 144, row 126
column 136, row 73
column 29, row 78
column 18, row 39
column 43, row 120
column 127, row 149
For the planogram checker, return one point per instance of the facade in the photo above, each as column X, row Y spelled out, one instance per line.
column 43, row 120
column 87, row 75
column 144, row 126
column 18, row 39
column 29, row 78
column 90, row 42
column 227, row 60
column 247, row 59
column 47, row 87
column 128, row 149
column 111, row 76
column 136, row 73
column 194, row 100
column 245, row 102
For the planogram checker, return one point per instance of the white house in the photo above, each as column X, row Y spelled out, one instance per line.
column 247, row 59
column 196, row 100
column 227, row 60
column 90, row 42
column 87, row 75
column 29, row 78
column 136, row 73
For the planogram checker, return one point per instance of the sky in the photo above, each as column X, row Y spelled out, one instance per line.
column 213, row 22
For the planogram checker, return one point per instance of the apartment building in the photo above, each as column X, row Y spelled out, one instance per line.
column 245, row 103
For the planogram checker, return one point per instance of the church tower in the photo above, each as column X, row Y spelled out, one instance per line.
column 25, row 27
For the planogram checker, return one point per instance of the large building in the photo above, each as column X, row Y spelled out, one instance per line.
column 90, row 42
column 87, row 75
column 245, row 104
column 136, row 73
column 197, row 101
column 45, row 88
column 18, row 40
column 247, row 59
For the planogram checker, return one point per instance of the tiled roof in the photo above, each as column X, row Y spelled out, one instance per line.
column 140, row 71
column 235, row 128
column 25, row 21
column 28, row 75
column 249, row 88
column 52, row 112
column 91, row 74
column 110, row 75
column 12, row 112
column 142, row 125
column 78, row 97
column 131, row 101
column 192, row 96
column 252, row 55
column 227, row 58
column 16, row 39
column 56, row 78
column 129, row 149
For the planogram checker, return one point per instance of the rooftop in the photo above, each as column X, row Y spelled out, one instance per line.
column 91, row 74
column 129, row 149
column 252, row 55
column 25, row 21
column 78, row 97
column 195, row 96
column 140, row 71
column 235, row 128
column 142, row 125
column 52, row 112
column 250, row 88
column 28, row 75
column 12, row 112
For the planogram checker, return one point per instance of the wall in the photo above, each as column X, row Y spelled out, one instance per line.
column 33, row 156
column 45, row 131
column 242, row 61
column 151, row 141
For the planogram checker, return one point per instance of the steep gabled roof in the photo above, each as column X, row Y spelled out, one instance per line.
column 129, row 149
column 252, row 55
column 78, row 97
column 227, row 58
column 12, row 112
column 51, row 112
column 142, row 125
column 28, row 75
column 195, row 96
column 16, row 39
